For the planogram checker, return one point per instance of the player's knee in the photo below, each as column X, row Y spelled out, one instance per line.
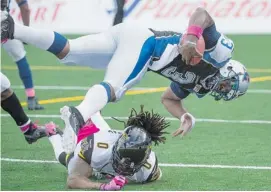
column 65, row 51
column 5, row 87
column 15, row 49
column 110, row 90
column 6, row 94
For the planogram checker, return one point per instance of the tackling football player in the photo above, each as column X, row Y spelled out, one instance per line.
column 119, row 154
column 127, row 51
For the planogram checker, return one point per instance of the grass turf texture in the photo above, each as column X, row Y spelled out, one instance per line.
column 209, row 143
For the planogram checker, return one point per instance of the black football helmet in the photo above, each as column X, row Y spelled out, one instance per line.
column 131, row 151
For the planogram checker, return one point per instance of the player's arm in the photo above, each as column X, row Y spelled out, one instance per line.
column 25, row 11
column 79, row 174
column 172, row 101
column 199, row 21
column 80, row 171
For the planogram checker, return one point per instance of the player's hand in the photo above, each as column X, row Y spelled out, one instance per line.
column 187, row 48
column 117, row 183
column 187, row 123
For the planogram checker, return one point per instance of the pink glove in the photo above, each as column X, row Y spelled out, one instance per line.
column 115, row 184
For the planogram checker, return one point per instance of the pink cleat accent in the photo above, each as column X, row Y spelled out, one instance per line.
column 51, row 128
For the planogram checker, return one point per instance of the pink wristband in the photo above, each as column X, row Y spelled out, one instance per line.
column 195, row 30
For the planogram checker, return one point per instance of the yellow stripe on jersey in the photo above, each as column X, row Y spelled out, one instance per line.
column 67, row 156
column 80, row 154
column 156, row 175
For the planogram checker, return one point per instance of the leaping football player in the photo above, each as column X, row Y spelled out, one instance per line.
column 118, row 154
column 129, row 51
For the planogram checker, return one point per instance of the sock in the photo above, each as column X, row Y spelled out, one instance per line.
column 30, row 93
column 43, row 39
column 56, row 142
column 13, row 106
column 26, row 127
column 26, row 76
column 95, row 99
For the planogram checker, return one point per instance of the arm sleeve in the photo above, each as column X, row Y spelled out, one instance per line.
column 211, row 36
column 179, row 91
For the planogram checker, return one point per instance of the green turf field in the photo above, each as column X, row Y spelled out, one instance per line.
column 242, row 144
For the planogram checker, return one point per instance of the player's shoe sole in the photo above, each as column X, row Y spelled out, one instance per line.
column 72, row 124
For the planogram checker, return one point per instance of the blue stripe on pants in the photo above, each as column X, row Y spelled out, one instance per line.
column 145, row 54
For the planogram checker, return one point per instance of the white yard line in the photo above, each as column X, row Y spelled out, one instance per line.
column 160, row 164
column 167, row 118
column 80, row 88
column 71, row 88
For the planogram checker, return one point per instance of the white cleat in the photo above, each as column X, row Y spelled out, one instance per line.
column 73, row 122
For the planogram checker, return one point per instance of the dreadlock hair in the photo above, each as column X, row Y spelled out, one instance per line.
column 153, row 123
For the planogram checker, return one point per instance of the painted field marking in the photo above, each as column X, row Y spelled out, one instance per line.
column 167, row 118
column 129, row 92
column 160, row 164
column 82, row 88
column 80, row 68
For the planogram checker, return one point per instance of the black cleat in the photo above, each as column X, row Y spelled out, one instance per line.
column 7, row 29
column 33, row 104
column 34, row 133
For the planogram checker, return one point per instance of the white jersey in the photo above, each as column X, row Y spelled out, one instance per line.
column 96, row 150
column 130, row 51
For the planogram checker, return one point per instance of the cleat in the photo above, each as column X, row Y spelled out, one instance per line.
column 73, row 122
column 33, row 104
column 7, row 28
column 72, row 118
column 34, row 133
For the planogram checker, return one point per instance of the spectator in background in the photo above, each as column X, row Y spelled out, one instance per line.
column 120, row 12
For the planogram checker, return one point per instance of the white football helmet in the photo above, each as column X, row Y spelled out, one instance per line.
column 233, row 81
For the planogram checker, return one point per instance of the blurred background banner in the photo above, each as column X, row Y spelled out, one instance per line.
column 91, row 16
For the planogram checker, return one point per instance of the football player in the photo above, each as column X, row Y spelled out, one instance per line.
column 127, row 51
column 118, row 154
column 15, row 49
column 11, row 104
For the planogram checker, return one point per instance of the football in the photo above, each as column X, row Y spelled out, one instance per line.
column 200, row 48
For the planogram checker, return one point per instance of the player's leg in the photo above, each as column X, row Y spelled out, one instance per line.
column 55, row 138
column 17, row 52
column 126, row 68
column 11, row 104
column 99, row 121
column 93, row 50
column 44, row 39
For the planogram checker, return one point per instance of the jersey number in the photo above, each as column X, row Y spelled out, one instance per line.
column 186, row 78
column 102, row 145
column 227, row 43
